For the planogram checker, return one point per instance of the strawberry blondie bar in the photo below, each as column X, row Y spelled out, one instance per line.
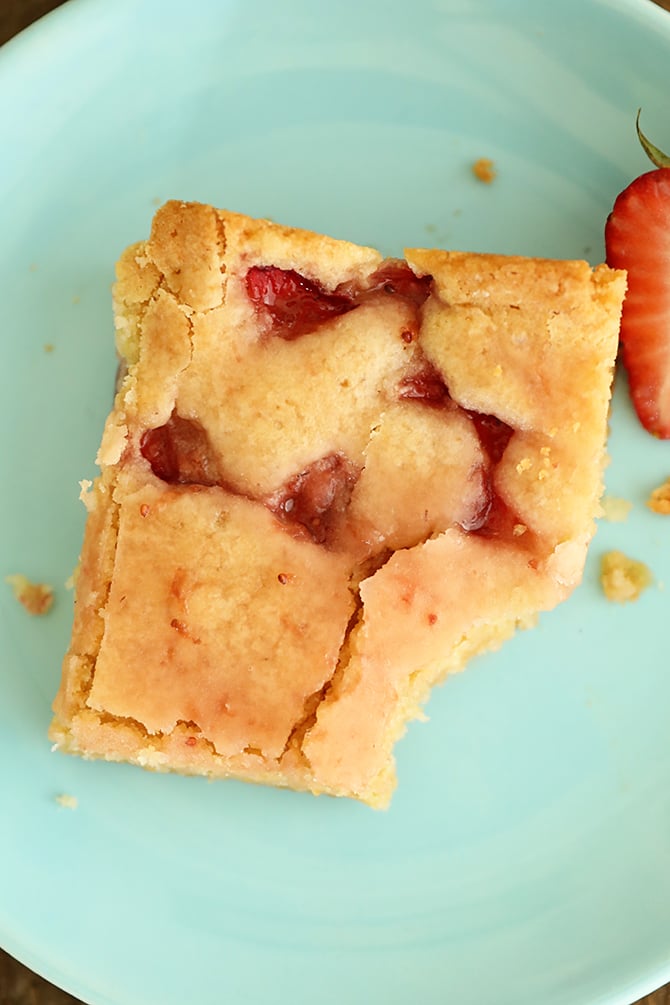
column 328, row 480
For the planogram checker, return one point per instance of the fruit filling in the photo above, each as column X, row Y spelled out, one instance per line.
column 425, row 385
column 495, row 517
column 180, row 453
column 314, row 501
column 397, row 279
column 493, row 433
column 492, row 517
column 296, row 305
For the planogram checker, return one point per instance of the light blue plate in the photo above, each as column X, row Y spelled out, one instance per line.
column 526, row 857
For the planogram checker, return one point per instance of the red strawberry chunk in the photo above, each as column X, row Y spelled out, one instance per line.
column 425, row 385
column 316, row 498
column 295, row 304
column 180, row 453
column 395, row 277
column 637, row 238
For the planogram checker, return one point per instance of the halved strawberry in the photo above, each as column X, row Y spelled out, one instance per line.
column 637, row 239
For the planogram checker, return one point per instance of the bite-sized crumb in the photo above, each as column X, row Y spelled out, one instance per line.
column 85, row 494
column 622, row 578
column 659, row 500
column 484, row 170
column 48, row 347
column 37, row 598
column 615, row 510
column 66, row 801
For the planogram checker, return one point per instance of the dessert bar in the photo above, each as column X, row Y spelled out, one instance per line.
column 328, row 480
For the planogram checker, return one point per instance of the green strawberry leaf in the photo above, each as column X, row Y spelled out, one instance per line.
column 655, row 155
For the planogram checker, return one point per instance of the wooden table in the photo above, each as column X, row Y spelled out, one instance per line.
column 18, row 985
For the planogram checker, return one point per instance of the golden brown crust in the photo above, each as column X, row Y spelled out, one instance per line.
column 217, row 634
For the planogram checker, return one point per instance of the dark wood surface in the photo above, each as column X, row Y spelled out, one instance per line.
column 18, row 985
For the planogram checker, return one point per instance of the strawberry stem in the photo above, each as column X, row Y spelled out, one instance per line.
column 655, row 155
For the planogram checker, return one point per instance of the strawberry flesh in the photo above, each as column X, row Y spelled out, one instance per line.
column 315, row 500
column 425, row 385
column 180, row 453
column 296, row 305
column 637, row 239
column 396, row 278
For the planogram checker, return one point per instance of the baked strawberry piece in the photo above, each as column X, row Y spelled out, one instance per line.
column 327, row 481
column 637, row 240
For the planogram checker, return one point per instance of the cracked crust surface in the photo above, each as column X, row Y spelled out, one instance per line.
column 292, row 539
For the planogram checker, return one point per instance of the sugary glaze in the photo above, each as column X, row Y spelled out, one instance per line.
column 327, row 481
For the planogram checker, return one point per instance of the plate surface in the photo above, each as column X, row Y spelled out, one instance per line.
column 526, row 856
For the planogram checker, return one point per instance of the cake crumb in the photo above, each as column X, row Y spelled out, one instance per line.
column 622, row 578
column 85, row 496
column 484, row 170
column 615, row 510
column 48, row 347
column 66, row 801
column 37, row 598
column 659, row 500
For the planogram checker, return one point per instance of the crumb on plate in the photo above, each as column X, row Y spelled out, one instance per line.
column 659, row 500
column 622, row 578
column 66, row 801
column 484, row 170
column 615, row 510
column 37, row 598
